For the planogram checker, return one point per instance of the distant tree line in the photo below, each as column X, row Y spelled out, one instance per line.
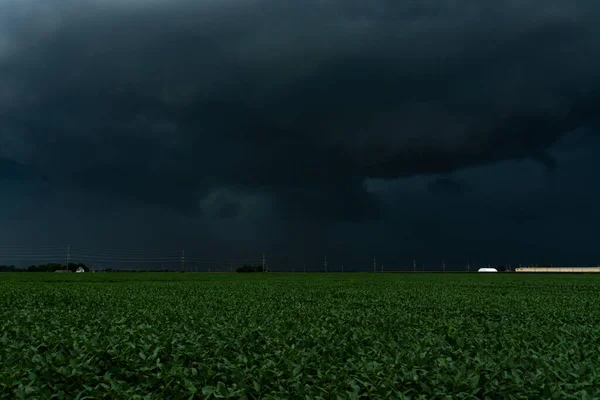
column 250, row 268
column 51, row 267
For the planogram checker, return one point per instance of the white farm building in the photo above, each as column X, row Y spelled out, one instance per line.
column 487, row 270
column 559, row 269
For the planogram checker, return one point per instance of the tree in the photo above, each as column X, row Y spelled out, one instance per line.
column 250, row 268
column 74, row 267
column 53, row 267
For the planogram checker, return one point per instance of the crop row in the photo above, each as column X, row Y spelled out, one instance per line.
column 347, row 337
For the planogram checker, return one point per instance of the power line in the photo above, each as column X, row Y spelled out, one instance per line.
column 128, row 251
column 11, row 246
column 136, row 252
column 32, row 251
column 32, row 255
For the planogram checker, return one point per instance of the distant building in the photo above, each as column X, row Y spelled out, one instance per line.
column 558, row 269
column 487, row 270
column 80, row 269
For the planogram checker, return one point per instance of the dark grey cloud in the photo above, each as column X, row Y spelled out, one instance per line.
column 229, row 210
column 13, row 170
column 448, row 185
column 166, row 103
column 225, row 207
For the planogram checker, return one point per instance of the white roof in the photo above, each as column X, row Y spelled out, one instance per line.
column 487, row 270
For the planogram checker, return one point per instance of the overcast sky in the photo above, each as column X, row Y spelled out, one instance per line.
column 432, row 129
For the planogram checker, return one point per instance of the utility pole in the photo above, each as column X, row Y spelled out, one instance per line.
column 304, row 268
column 469, row 266
column 342, row 268
column 325, row 263
column 264, row 263
column 444, row 265
column 414, row 265
column 374, row 264
column 68, row 256
column 182, row 259
column 381, row 267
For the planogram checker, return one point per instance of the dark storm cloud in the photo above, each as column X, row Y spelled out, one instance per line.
column 547, row 160
column 224, row 207
column 12, row 170
column 167, row 102
column 447, row 185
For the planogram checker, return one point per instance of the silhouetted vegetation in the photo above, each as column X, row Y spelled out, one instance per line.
column 53, row 267
column 250, row 268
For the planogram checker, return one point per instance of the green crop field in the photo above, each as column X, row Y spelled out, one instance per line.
column 287, row 336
